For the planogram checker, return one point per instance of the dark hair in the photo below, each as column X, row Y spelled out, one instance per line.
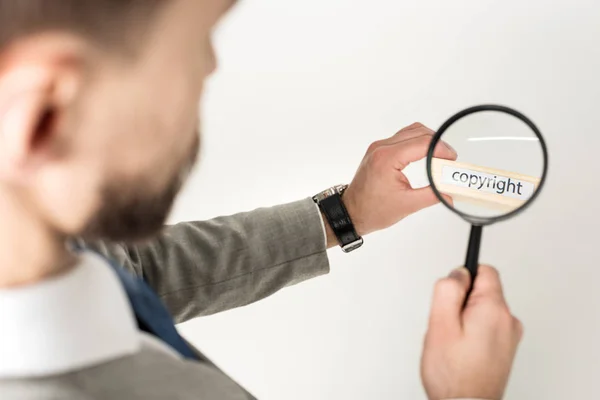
column 106, row 22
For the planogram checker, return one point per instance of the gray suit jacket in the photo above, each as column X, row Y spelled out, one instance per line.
column 197, row 268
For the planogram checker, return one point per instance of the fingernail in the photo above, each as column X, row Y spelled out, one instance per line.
column 459, row 273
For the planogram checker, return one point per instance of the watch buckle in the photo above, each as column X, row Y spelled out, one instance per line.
column 352, row 246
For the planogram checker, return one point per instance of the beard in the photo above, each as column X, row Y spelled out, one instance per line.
column 130, row 212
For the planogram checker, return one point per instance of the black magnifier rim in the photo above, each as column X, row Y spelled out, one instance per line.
column 480, row 221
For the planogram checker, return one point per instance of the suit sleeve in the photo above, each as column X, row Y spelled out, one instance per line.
column 202, row 268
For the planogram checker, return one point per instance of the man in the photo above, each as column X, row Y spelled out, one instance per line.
column 98, row 127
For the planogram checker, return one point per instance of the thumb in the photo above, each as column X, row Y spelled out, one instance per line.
column 418, row 199
column 448, row 298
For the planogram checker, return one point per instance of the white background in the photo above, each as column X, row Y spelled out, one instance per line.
column 304, row 87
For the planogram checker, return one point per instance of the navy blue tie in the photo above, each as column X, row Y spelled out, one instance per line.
column 151, row 314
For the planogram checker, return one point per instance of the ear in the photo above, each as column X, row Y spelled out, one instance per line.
column 35, row 92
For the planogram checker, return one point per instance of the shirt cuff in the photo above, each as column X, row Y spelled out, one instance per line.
column 323, row 229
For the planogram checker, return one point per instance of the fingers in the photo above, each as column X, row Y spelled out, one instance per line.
column 488, row 298
column 448, row 299
column 407, row 151
column 487, row 285
column 412, row 127
column 448, row 199
column 394, row 154
column 410, row 132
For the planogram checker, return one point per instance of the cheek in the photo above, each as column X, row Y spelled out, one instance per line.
column 178, row 122
column 142, row 121
column 160, row 120
column 159, row 144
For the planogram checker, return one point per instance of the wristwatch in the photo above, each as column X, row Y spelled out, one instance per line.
column 332, row 206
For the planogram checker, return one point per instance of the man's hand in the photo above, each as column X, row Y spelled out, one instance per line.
column 469, row 353
column 380, row 195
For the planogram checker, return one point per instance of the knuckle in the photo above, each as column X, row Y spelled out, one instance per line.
column 506, row 318
column 518, row 328
column 503, row 318
column 378, row 156
column 497, row 314
column 415, row 125
column 421, row 127
column 424, row 140
column 373, row 146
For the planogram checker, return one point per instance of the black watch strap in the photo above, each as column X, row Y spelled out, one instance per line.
column 340, row 222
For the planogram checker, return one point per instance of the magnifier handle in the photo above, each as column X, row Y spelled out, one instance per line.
column 472, row 262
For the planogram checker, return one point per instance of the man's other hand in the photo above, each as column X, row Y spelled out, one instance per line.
column 469, row 353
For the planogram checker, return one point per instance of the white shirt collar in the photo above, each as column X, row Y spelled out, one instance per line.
column 73, row 321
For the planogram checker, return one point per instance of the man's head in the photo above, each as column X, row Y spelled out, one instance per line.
column 99, row 109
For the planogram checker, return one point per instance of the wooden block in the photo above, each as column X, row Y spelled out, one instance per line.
column 487, row 187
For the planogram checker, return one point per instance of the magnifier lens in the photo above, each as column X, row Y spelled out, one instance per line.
column 499, row 166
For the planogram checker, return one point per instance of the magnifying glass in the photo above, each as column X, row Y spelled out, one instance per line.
column 500, row 170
